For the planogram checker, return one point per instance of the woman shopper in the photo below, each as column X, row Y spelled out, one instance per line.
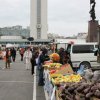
column 27, row 57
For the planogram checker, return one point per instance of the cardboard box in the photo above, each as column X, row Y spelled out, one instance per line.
column 65, row 69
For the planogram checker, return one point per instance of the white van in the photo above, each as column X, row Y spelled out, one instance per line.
column 83, row 54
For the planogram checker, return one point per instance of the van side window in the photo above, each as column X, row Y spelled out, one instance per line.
column 83, row 49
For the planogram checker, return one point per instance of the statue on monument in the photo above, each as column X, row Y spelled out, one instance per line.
column 92, row 10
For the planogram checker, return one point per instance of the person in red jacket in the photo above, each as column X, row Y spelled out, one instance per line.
column 22, row 53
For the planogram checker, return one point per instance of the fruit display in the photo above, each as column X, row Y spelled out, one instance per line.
column 48, row 62
column 80, row 91
column 52, row 71
column 55, row 57
column 53, row 65
column 55, row 75
column 66, row 78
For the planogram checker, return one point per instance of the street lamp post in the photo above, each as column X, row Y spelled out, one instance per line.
column 30, row 39
column 54, row 45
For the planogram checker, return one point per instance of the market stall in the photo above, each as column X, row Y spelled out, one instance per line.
column 62, row 83
column 56, row 74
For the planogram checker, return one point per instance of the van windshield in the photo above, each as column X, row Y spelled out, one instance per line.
column 96, row 46
column 83, row 49
column 69, row 48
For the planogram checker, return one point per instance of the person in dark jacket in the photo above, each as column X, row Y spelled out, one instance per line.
column 42, row 58
column 33, row 61
column 13, row 54
column 61, row 54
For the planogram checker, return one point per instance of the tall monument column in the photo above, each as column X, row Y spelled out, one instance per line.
column 38, row 19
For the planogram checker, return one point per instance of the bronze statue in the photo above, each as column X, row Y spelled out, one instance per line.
column 92, row 10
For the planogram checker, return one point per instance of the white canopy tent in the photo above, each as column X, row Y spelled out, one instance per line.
column 9, row 45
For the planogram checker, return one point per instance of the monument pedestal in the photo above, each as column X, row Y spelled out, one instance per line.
column 93, row 31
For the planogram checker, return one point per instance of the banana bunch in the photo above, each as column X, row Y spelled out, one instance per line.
column 55, row 65
column 73, row 78
column 52, row 65
column 56, row 76
column 67, row 78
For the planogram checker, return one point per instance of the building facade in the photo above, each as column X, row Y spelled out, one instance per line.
column 15, row 31
column 38, row 20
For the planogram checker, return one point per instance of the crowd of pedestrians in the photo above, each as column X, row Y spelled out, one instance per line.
column 34, row 57
column 30, row 56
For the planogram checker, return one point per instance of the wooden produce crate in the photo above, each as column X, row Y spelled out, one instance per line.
column 94, row 98
column 65, row 69
column 57, row 95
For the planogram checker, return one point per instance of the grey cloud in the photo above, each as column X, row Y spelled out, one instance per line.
column 70, row 16
column 14, row 12
column 64, row 16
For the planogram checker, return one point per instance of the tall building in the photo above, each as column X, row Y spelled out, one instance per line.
column 38, row 20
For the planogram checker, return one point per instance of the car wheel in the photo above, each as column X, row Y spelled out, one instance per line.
column 86, row 65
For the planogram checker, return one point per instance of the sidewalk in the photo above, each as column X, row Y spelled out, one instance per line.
column 17, row 83
column 40, row 90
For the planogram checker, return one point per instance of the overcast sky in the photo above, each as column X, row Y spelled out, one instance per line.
column 65, row 17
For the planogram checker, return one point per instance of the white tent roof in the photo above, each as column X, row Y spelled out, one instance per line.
column 9, row 45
